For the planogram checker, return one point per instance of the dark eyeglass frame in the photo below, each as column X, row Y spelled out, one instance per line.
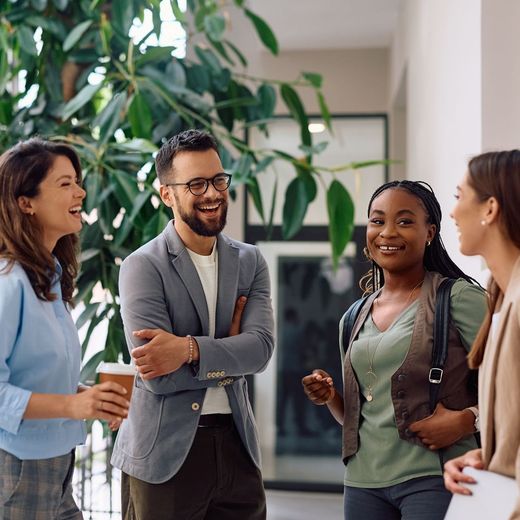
column 228, row 177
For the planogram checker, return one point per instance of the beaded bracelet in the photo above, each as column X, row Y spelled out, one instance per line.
column 190, row 352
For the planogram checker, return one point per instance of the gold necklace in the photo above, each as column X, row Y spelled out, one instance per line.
column 370, row 375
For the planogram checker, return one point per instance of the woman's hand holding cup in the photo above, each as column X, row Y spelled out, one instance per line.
column 106, row 401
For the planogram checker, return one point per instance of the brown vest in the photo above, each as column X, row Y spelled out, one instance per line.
column 410, row 384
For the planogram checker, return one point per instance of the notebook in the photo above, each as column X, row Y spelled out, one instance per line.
column 494, row 498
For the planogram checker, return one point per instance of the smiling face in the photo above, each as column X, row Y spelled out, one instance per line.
column 398, row 231
column 468, row 213
column 57, row 206
column 204, row 215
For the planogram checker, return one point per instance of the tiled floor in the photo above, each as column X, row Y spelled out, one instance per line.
column 289, row 505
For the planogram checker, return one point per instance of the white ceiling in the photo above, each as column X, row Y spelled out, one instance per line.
column 329, row 24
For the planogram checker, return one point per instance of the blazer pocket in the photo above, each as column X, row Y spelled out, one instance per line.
column 142, row 424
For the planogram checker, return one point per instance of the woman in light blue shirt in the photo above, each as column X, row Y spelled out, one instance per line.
column 42, row 405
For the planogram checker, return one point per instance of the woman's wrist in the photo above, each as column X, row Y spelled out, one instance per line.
column 467, row 421
column 332, row 396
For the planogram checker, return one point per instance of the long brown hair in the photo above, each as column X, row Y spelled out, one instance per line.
column 22, row 169
column 496, row 174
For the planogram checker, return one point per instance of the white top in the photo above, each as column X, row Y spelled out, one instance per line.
column 216, row 399
column 494, row 324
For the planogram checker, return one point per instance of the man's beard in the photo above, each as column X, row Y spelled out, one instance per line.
column 202, row 228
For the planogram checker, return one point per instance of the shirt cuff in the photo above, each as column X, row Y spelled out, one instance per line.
column 14, row 406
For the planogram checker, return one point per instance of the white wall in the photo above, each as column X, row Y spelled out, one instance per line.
column 500, row 74
column 438, row 44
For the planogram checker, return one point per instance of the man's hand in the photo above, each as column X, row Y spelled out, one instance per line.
column 453, row 474
column 163, row 354
column 240, row 305
column 443, row 427
column 319, row 387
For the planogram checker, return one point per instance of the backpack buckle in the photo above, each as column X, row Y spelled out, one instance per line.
column 435, row 375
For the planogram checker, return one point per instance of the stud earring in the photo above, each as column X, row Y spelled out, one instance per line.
column 428, row 243
column 483, row 222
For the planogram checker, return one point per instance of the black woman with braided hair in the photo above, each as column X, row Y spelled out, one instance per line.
column 394, row 440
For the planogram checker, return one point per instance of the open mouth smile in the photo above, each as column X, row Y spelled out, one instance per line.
column 209, row 208
column 389, row 249
column 75, row 211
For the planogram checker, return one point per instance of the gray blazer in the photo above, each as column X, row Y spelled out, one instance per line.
column 160, row 288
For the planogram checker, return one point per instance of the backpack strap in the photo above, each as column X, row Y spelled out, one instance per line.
column 349, row 319
column 440, row 338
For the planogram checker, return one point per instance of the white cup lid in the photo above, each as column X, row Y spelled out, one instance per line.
column 116, row 368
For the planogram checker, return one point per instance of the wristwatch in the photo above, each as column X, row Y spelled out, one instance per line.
column 474, row 411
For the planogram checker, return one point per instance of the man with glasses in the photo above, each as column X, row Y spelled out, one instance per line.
column 189, row 447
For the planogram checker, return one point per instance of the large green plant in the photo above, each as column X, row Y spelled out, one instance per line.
column 49, row 51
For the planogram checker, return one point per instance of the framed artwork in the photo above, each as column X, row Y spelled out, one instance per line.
column 309, row 299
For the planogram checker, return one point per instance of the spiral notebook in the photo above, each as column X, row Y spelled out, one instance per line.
column 494, row 498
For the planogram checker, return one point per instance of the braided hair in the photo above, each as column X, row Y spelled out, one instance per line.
column 436, row 257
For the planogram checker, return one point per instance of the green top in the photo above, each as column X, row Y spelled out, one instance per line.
column 383, row 458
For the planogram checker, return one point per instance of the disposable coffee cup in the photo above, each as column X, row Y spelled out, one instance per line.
column 118, row 373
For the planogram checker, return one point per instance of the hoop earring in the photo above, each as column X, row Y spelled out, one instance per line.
column 367, row 253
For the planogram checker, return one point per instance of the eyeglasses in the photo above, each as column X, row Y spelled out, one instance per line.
column 199, row 186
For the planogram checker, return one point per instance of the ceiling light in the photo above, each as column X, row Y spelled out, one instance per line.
column 316, row 128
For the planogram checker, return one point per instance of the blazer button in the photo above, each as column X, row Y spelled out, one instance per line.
column 195, row 406
column 406, row 415
column 401, row 394
column 401, row 377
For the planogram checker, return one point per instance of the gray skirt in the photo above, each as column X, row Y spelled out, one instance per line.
column 37, row 489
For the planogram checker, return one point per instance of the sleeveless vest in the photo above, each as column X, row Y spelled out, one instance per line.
column 410, row 385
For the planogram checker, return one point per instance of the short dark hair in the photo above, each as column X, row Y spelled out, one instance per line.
column 187, row 141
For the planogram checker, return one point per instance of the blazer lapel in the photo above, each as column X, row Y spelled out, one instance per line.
column 187, row 272
column 228, row 271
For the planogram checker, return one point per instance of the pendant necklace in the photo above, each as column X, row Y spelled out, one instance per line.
column 370, row 375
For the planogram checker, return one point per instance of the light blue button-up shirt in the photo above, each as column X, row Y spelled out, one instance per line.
column 39, row 352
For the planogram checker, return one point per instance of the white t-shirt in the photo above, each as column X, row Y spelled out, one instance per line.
column 216, row 399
